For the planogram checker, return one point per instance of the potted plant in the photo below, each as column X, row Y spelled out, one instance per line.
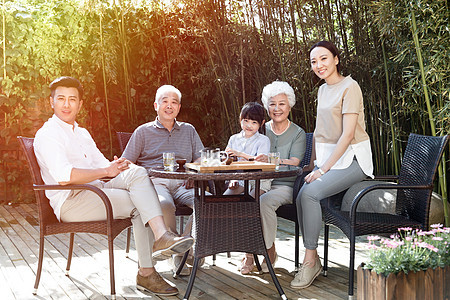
column 412, row 264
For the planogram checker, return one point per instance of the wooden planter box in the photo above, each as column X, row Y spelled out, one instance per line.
column 429, row 284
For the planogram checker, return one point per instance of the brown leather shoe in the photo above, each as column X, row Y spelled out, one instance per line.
column 155, row 284
column 170, row 243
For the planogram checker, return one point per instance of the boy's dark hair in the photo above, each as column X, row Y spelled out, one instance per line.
column 66, row 81
column 332, row 48
column 254, row 111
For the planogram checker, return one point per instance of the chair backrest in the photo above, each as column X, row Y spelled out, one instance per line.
column 419, row 166
column 307, row 158
column 305, row 161
column 46, row 214
column 123, row 138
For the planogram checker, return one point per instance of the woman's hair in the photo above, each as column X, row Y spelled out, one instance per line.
column 275, row 88
column 332, row 48
column 253, row 111
column 165, row 89
column 66, row 81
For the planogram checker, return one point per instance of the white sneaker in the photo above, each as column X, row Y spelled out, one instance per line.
column 306, row 275
column 175, row 261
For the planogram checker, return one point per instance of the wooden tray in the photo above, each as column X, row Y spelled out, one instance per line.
column 237, row 165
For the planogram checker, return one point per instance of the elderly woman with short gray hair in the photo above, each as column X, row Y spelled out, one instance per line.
column 289, row 140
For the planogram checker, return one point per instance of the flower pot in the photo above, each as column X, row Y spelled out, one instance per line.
column 429, row 284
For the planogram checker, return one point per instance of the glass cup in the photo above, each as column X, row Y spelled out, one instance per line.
column 274, row 158
column 205, row 157
column 169, row 161
column 212, row 157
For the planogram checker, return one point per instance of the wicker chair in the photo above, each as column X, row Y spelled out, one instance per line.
column 49, row 224
column 415, row 185
column 289, row 211
column 181, row 210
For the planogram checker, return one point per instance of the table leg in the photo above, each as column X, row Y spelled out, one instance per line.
column 191, row 279
column 274, row 277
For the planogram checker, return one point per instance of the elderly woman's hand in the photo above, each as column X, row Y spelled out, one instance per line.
column 262, row 158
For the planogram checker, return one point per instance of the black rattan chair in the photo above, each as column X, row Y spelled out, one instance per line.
column 414, row 188
column 49, row 224
column 289, row 211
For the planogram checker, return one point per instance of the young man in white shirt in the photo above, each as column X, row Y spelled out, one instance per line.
column 67, row 154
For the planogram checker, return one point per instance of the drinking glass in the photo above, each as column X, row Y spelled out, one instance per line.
column 274, row 158
column 168, row 161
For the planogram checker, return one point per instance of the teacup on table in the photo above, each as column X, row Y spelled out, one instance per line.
column 181, row 163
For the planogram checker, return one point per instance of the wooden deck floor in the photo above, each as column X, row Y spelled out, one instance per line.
column 89, row 275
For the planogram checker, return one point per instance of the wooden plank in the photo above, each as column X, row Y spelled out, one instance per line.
column 90, row 270
column 234, row 166
column 91, row 260
column 27, row 250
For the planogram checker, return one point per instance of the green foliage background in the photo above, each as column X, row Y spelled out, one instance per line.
column 220, row 54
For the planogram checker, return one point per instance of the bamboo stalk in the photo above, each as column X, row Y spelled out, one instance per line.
column 4, row 40
column 442, row 181
column 218, row 83
column 388, row 97
column 104, row 86
column 242, row 73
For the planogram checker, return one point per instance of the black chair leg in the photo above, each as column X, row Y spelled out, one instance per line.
column 69, row 255
column 351, row 268
column 325, row 250
column 258, row 265
column 297, row 246
column 180, row 267
column 181, row 225
column 40, row 259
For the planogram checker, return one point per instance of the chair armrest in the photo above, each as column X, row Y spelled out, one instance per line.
column 99, row 192
column 386, row 177
column 359, row 196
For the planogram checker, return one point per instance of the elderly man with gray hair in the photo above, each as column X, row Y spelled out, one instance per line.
column 165, row 134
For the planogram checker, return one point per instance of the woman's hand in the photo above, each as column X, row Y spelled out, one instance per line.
column 313, row 176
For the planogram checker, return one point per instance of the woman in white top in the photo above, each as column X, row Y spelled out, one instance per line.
column 341, row 151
